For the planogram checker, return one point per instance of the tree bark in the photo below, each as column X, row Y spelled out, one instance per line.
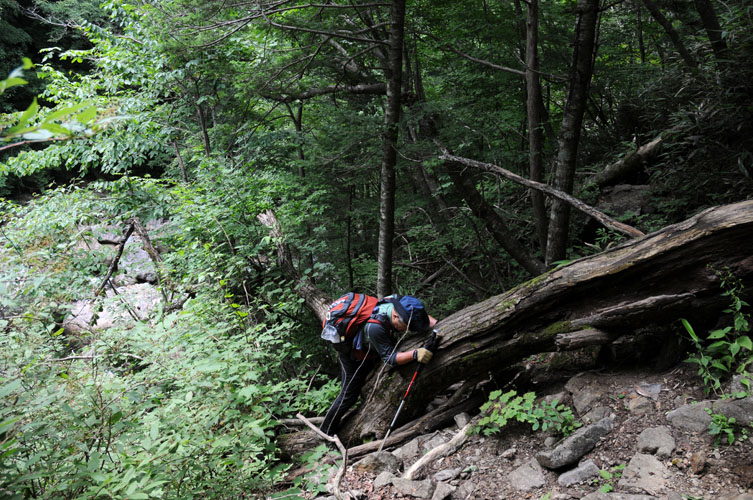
column 393, row 74
column 646, row 282
column 493, row 222
column 572, row 119
column 713, row 29
column 535, row 123
column 671, row 33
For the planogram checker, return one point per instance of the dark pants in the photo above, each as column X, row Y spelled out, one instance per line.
column 353, row 375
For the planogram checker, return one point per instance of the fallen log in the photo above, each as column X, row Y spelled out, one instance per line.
column 652, row 280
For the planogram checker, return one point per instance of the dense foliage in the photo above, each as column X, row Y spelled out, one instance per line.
column 206, row 113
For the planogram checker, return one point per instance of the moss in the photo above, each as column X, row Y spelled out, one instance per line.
column 557, row 328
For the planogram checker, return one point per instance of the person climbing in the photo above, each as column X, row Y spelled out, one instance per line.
column 375, row 340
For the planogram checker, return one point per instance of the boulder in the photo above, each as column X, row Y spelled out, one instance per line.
column 643, row 474
column 417, row 489
column 528, row 476
column 378, row 462
column 571, row 449
column 692, row 417
column 583, row 472
column 656, row 440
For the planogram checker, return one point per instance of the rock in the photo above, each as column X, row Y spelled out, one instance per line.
column 550, row 441
column 442, row 491
column 447, row 474
column 409, row 451
column 639, row 405
column 597, row 414
column 584, row 471
column 572, row 448
column 464, row 491
column 598, row 495
column 736, row 385
column 691, row 417
column 651, row 391
column 656, row 440
column 739, row 409
column 383, row 479
column 527, row 477
column 461, row 419
column 509, row 453
column 142, row 298
column 644, row 473
column 376, row 463
column 698, row 462
column 418, row 489
column 436, row 440
column 559, row 397
column 584, row 399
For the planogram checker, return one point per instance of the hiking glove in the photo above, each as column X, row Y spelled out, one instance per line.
column 422, row 355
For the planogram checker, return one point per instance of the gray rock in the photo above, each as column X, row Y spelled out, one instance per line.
column 572, row 448
column 550, row 441
column 464, row 491
column 649, row 390
column 584, row 471
column 597, row 414
column 447, row 474
column 142, row 298
column 378, row 462
column 597, row 495
column 383, row 479
column 442, row 491
column 739, row 409
column 527, row 477
column 643, row 474
column 736, row 385
column 418, row 489
column 409, row 451
column 640, row 405
column 691, row 417
column 656, row 440
column 551, row 398
column 432, row 443
column 584, row 399
column 461, row 419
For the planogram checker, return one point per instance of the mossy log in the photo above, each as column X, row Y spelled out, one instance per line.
column 653, row 280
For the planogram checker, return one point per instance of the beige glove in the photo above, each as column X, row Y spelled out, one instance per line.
column 422, row 355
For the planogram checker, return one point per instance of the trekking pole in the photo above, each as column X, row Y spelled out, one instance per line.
column 431, row 345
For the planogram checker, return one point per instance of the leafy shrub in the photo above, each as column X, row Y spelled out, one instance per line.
column 727, row 350
column 501, row 408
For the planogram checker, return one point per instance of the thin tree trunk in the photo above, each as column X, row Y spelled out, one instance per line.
column 535, row 132
column 641, row 44
column 393, row 74
column 493, row 221
column 580, row 78
column 671, row 33
column 713, row 29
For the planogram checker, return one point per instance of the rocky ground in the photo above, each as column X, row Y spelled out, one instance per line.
column 644, row 436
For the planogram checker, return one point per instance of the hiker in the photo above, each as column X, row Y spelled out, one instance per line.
column 372, row 341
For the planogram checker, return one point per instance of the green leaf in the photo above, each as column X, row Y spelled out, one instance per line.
column 718, row 334
column 745, row 342
column 25, row 117
column 689, row 329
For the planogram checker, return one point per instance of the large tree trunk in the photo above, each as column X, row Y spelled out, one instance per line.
column 572, row 119
column 652, row 280
column 393, row 73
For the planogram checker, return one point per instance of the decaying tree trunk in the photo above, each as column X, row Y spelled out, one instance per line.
column 652, row 280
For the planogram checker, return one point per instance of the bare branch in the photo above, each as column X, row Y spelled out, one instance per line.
column 555, row 193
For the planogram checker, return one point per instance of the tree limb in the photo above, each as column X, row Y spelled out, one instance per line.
column 343, row 451
column 576, row 203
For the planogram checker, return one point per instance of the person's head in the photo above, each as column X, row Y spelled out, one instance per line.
column 410, row 314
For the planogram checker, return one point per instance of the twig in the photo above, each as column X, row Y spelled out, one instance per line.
column 114, row 262
column 343, row 451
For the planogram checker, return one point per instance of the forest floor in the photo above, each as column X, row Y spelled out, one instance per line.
column 697, row 468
